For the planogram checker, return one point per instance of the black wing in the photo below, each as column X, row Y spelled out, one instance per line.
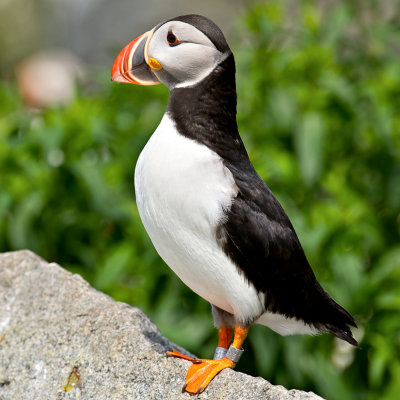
column 259, row 237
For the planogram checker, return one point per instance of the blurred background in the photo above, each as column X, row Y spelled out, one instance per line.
column 319, row 112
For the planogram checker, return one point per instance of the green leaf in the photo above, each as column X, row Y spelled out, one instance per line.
column 310, row 136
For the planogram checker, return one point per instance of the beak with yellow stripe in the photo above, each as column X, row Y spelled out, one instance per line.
column 133, row 64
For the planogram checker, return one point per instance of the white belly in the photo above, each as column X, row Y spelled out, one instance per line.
column 182, row 189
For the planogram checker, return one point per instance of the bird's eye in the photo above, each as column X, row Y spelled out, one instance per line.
column 172, row 39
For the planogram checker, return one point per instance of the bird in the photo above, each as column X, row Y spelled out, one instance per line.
column 209, row 215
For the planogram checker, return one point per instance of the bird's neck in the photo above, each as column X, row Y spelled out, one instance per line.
column 206, row 112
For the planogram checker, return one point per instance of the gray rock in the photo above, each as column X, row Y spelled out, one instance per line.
column 55, row 330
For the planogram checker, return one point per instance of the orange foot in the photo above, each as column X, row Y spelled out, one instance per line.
column 201, row 372
column 177, row 354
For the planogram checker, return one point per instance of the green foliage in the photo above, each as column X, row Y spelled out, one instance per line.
column 318, row 109
column 322, row 91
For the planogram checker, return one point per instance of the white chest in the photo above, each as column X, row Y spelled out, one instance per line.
column 179, row 181
column 182, row 189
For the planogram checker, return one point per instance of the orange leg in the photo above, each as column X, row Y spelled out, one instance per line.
column 202, row 372
column 224, row 340
column 224, row 337
column 240, row 335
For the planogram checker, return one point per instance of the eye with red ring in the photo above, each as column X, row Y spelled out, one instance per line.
column 172, row 39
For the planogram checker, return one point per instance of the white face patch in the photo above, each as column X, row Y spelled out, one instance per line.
column 187, row 62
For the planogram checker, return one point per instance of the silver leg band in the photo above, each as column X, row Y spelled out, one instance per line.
column 220, row 353
column 234, row 354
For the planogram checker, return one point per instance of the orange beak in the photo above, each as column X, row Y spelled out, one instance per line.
column 131, row 66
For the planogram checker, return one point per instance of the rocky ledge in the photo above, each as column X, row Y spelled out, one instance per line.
column 62, row 339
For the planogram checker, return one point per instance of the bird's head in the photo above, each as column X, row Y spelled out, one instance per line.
column 179, row 53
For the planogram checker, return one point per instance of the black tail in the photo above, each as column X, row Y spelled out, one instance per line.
column 339, row 323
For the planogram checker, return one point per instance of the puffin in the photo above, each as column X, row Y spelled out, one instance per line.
column 209, row 215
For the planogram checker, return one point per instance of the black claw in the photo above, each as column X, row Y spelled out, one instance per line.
column 197, row 361
column 199, row 390
column 184, row 388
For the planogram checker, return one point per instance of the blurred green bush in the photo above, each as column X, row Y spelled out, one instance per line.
column 318, row 108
